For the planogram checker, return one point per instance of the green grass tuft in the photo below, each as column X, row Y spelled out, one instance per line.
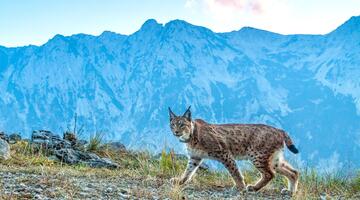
column 169, row 164
column 96, row 141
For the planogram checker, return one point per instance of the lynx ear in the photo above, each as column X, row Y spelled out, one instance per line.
column 172, row 115
column 187, row 114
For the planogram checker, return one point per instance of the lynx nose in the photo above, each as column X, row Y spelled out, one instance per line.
column 177, row 133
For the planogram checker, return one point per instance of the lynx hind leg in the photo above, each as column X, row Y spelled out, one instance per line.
column 262, row 162
column 267, row 174
column 284, row 168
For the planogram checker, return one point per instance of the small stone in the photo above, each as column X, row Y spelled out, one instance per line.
column 124, row 194
column 54, row 158
column 109, row 190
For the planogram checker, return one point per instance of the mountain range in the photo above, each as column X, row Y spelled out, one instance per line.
column 122, row 85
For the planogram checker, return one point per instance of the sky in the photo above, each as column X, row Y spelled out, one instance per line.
column 24, row 22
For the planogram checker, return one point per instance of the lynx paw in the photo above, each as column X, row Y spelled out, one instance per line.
column 250, row 188
column 241, row 187
column 234, row 191
column 176, row 181
column 286, row 192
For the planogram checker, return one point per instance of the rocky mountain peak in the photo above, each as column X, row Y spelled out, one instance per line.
column 349, row 29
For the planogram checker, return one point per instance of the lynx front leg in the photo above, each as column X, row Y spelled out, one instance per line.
column 230, row 165
column 191, row 168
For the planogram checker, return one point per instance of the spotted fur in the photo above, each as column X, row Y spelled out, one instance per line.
column 261, row 144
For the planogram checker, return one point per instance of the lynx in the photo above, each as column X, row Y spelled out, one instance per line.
column 261, row 144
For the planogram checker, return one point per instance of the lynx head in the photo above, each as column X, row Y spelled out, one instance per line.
column 181, row 126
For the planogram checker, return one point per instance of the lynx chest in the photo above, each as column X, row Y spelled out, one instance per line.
column 194, row 152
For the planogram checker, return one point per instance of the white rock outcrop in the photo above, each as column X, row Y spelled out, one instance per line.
column 4, row 150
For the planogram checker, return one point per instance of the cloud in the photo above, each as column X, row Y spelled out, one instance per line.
column 235, row 8
column 248, row 6
column 223, row 14
column 254, row 6
column 190, row 3
column 281, row 16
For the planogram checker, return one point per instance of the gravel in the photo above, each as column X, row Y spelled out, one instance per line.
column 25, row 185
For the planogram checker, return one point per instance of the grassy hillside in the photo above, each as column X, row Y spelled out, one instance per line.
column 30, row 174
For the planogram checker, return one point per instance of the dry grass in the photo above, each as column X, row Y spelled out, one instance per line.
column 23, row 154
column 176, row 193
column 143, row 166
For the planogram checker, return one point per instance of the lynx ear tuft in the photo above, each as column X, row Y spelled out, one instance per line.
column 187, row 114
column 172, row 115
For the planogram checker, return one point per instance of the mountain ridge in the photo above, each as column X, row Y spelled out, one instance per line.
column 123, row 84
column 354, row 20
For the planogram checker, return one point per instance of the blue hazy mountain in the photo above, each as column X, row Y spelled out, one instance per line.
column 121, row 85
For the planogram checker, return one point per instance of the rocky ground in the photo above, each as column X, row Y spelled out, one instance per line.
column 52, row 167
column 23, row 184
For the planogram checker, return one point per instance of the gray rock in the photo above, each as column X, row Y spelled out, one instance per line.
column 72, row 156
column 71, row 137
column 69, row 156
column 81, row 142
column 80, row 145
column 41, row 134
column 88, row 156
column 116, row 146
column 74, row 141
column 68, row 149
column 13, row 138
column 54, row 158
column 4, row 136
column 4, row 150
column 48, row 140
